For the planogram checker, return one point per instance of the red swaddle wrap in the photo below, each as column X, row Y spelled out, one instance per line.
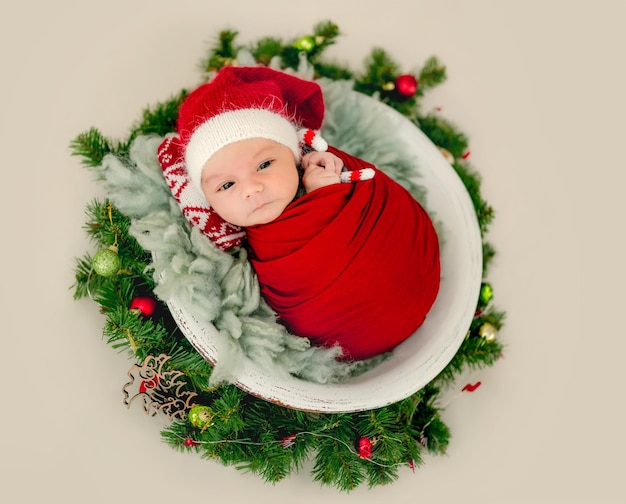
column 355, row 265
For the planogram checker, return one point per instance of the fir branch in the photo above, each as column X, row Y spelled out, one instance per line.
column 268, row 459
column 436, row 435
column 85, row 282
column 379, row 79
column 92, row 146
column 114, row 293
column 174, row 435
column 489, row 252
column 443, row 134
column 380, row 474
column 492, row 316
column 472, row 181
column 228, row 410
column 105, row 222
column 475, row 353
column 290, row 56
column 326, row 33
column 431, row 75
column 332, row 71
column 107, row 226
column 226, row 44
column 336, row 464
column 127, row 329
column 185, row 358
column 222, row 53
column 266, row 49
column 380, row 69
column 160, row 119
column 427, row 427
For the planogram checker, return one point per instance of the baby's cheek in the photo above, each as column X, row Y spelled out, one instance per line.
column 220, row 208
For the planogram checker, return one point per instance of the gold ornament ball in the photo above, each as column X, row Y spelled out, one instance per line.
column 488, row 331
column 447, row 155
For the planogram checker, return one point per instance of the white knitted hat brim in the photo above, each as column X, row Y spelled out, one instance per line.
column 233, row 126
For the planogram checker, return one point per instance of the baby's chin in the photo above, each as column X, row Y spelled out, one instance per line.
column 264, row 215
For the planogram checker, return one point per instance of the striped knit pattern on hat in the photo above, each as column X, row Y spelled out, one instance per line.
column 192, row 203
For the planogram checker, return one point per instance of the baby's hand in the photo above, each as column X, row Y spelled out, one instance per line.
column 320, row 169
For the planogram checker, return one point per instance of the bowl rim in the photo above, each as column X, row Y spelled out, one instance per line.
column 420, row 358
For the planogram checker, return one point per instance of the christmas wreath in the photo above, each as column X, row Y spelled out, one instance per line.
column 148, row 254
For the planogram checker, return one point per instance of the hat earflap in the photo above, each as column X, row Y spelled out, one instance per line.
column 193, row 204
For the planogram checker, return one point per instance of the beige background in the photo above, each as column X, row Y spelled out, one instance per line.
column 539, row 88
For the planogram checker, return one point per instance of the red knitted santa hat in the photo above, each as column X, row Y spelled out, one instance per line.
column 239, row 103
column 242, row 103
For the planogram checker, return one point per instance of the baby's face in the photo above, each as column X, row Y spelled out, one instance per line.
column 250, row 182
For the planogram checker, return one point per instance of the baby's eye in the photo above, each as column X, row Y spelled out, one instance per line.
column 226, row 185
column 265, row 164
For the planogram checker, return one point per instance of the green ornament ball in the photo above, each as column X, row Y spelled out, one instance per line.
column 486, row 293
column 200, row 416
column 306, row 43
column 106, row 262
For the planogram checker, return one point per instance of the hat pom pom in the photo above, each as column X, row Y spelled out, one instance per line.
column 311, row 139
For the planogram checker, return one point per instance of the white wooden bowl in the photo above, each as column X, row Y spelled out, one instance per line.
column 420, row 358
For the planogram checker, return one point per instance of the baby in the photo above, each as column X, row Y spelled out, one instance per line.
column 352, row 264
column 251, row 182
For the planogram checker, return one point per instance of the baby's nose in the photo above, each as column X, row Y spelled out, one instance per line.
column 253, row 186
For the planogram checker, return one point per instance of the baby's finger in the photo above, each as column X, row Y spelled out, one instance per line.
column 335, row 165
column 312, row 168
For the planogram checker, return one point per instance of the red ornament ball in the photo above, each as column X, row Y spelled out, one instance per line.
column 288, row 441
column 190, row 442
column 365, row 448
column 406, row 85
column 144, row 304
